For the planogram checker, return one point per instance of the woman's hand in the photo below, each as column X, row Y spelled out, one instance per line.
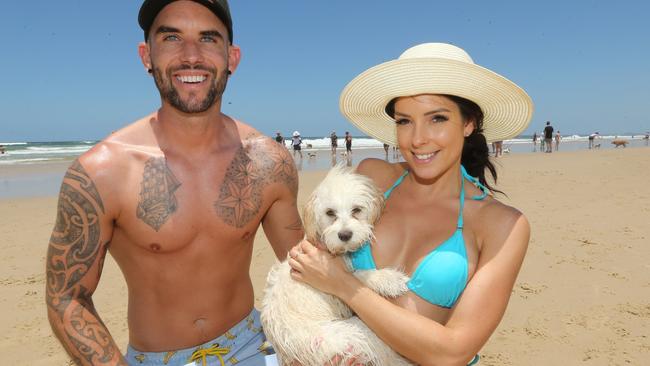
column 318, row 268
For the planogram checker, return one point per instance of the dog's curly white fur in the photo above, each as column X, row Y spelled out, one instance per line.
column 312, row 327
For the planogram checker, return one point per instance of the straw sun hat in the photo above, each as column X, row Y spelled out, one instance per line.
column 435, row 68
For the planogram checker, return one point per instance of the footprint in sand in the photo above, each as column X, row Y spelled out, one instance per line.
column 586, row 242
column 590, row 354
column 525, row 289
column 534, row 332
column 497, row 359
column 9, row 281
column 637, row 310
column 617, row 275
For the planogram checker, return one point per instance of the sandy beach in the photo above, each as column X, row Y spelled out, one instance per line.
column 582, row 298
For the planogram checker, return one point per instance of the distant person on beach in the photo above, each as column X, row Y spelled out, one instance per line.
column 348, row 143
column 176, row 198
column 498, row 148
column 459, row 285
column 296, row 141
column 334, row 142
column 395, row 152
column 386, row 146
column 279, row 139
column 592, row 138
column 548, row 137
column 534, row 141
column 2, row 149
column 558, row 137
column 646, row 138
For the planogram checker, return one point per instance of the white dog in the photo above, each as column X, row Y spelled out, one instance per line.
column 311, row 327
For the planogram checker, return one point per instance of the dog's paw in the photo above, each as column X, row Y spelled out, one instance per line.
column 387, row 282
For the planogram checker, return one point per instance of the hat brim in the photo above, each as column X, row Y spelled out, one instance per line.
column 150, row 9
column 506, row 107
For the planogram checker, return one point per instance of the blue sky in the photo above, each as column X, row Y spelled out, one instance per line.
column 71, row 69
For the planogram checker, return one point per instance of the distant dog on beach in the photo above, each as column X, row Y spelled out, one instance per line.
column 597, row 146
column 309, row 146
column 311, row 327
column 620, row 142
column 311, row 154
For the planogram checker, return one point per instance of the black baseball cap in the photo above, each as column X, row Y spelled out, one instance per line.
column 151, row 8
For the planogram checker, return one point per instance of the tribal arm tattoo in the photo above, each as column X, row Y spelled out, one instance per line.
column 75, row 258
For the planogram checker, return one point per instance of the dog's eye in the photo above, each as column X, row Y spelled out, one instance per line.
column 330, row 213
column 356, row 210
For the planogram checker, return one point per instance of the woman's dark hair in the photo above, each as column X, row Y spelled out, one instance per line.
column 476, row 155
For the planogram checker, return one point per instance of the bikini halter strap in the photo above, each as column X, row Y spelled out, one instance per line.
column 477, row 183
column 397, row 182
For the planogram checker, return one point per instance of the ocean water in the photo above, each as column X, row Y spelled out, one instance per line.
column 42, row 152
column 23, row 181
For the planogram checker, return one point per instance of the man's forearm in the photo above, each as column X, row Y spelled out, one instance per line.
column 83, row 334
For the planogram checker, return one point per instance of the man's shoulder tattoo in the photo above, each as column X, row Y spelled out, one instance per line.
column 78, row 173
column 157, row 200
column 257, row 164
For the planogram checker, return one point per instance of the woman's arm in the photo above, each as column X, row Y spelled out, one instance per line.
column 424, row 341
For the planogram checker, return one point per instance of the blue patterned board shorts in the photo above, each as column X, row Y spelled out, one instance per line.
column 243, row 345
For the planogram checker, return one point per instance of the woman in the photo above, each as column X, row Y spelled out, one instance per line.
column 461, row 247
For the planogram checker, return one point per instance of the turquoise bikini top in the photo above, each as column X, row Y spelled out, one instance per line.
column 441, row 277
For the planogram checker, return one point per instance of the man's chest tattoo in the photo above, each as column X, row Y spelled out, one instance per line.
column 157, row 201
column 252, row 169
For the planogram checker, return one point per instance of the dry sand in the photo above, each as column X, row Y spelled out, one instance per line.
column 582, row 298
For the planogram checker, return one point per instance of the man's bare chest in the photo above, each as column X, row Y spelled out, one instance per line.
column 170, row 203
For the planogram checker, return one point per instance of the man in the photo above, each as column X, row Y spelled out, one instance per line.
column 296, row 141
column 548, row 137
column 558, row 138
column 348, row 143
column 592, row 138
column 177, row 198
column 279, row 139
column 334, row 140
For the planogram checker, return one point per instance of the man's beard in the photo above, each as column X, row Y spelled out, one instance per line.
column 169, row 93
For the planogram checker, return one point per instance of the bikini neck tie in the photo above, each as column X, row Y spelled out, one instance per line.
column 476, row 183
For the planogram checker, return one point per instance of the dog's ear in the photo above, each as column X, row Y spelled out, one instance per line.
column 312, row 233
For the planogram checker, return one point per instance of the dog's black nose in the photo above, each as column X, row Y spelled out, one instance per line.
column 345, row 235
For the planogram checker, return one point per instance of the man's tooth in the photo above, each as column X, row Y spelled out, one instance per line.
column 191, row 79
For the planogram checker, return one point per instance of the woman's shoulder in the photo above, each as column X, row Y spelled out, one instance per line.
column 498, row 220
column 495, row 212
column 383, row 173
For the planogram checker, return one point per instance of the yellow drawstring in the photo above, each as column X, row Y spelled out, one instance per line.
column 201, row 354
